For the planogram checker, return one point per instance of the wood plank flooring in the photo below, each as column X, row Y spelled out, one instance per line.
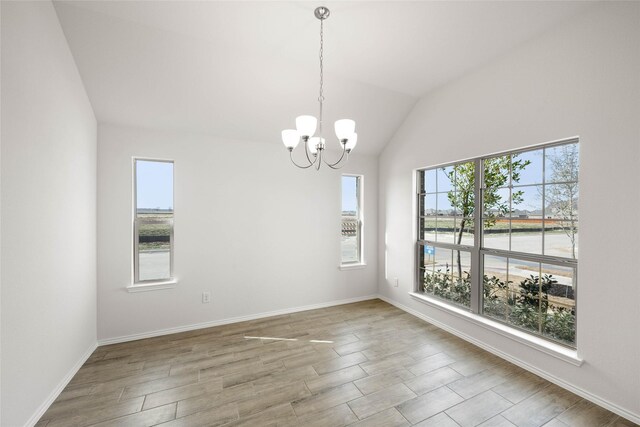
column 363, row 364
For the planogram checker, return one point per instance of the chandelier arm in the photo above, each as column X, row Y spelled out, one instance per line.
column 319, row 159
column 335, row 165
column 344, row 151
column 294, row 162
column 306, row 152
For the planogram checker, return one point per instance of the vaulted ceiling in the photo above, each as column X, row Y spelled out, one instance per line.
column 245, row 70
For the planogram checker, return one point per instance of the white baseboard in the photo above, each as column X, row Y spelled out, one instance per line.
column 552, row 378
column 61, row 385
column 230, row 320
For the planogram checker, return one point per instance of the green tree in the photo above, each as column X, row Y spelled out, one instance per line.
column 534, row 291
column 497, row 172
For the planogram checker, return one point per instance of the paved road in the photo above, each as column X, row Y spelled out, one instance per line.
column 556, row 244
column 154, row 265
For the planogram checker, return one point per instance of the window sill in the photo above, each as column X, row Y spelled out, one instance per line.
column 153, row 286
column 563, row 353
column 357, row 266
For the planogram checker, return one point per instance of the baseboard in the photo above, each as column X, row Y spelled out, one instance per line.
column 230, row 320
column 61, row 385
column 524, row 365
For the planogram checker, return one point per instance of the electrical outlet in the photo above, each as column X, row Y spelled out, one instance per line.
column 206, row 297
column 395, row 282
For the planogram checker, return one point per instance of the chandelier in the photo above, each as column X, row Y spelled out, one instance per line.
column 306, row 126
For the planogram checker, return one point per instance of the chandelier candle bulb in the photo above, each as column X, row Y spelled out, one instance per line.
column 306, row 126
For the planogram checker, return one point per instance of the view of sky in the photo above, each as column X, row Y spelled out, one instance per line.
column 349, row 193
column 530, row 180
column 154, row 184
column 532, row 174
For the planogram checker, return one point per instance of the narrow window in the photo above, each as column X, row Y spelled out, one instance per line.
column 153, row 221
column 351, row 243
column 498, row 235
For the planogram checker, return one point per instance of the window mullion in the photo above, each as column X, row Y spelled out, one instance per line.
column 476, row 258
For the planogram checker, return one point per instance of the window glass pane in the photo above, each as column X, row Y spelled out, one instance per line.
column 463, row 234
column 428, row 205
column 496, row 172
column 497, row 202
column 561, row 219
column 526, row 235
column 526, row 202
column 154, row 251
column 430, row 181
column 462, row 197
column 562, row 163
column 444, row 205
column 561, row 200
column 350, row 243
column 444, row 179
column 560, row 319
column 443, row 259
column 561, row 238
column 530, row 294
column 427, row 257
column 428, row 231
column 498, row 295
column 496, row 233
column 445, row 229
column 527, row 167
column 427, row 261
column 526, row 219
column 154, row 188
column 450, row 277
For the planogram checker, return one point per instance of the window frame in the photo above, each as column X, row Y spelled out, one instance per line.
column 136, row 222
column 360, row 221
column 478, row 250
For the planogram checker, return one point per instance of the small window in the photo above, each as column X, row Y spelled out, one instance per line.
column 351, row 243
column 153, row 221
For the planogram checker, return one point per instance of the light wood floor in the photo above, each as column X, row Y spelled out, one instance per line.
column 363, row 364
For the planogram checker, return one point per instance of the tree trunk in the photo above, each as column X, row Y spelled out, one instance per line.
column 458, row 242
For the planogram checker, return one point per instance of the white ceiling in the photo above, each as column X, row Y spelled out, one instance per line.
column 245, row 70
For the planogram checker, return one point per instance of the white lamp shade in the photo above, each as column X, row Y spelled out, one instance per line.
column 290, row 138
column 306, row 125
column 345, row 128
column 351, row 143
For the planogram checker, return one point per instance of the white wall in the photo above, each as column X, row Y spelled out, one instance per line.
column 258, row 233
column 582, row 78
column 48, row 212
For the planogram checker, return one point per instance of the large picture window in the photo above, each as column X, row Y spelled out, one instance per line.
column 153, row 221
column 351, row 238
column 498, row 236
